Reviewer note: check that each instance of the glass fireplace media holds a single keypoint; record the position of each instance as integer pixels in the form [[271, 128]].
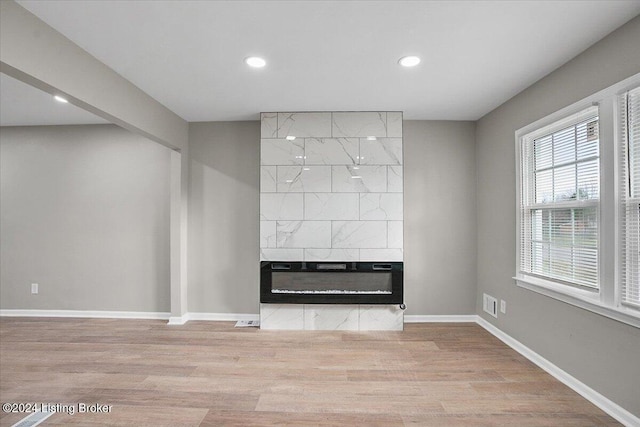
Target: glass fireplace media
[[331, 282]]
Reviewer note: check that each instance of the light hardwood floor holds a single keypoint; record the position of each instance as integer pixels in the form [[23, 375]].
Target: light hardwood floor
[[212, 374]]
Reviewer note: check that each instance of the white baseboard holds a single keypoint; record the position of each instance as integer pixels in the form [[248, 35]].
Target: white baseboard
[[223, 317], [215, 317], [608, 406], [463, 318], [96, 314], [177, 320]]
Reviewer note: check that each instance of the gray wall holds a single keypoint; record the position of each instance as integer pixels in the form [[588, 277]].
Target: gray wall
[[84, 212], [440, 217], [440, 232], [224, 238], [98, 239], [600, 352]]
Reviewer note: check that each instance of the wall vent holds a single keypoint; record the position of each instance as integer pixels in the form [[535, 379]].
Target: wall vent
[[490, 305]]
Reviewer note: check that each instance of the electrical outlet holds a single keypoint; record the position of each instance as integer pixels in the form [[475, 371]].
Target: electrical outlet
[[34, 288], [503, 306], [490, 305]]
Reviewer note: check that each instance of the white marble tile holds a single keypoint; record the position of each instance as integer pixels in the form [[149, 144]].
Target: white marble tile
[[268, 179], [331, 206], [303, 234], [269, 125], [282, 316], [271, 254], [359, 179], [394, 176], [381, 318], [304, 124], [348, 254], [304, 179], [281, 152], [381, 255], [358, 234], [394, 124], [281, 206], [361, 124], [331, 151], [395, 238], [321, 317], [267, 234], [381, 206], [382, 151]]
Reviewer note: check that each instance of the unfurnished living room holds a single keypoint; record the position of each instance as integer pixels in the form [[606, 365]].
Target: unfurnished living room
[[319, 213]]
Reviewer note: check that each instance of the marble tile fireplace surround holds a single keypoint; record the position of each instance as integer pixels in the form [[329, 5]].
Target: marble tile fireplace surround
[[331, 191]]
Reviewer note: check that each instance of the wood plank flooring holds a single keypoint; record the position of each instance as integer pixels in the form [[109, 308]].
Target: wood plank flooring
[[212, 374]]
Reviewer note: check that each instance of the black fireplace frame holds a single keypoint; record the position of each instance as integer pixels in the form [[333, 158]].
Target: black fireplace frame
[[395, 297]]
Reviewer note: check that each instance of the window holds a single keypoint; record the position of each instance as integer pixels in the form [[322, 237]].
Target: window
[[630, 198], [578, 202], [559, 201]]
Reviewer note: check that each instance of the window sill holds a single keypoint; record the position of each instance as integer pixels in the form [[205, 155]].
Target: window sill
[[587, 300]]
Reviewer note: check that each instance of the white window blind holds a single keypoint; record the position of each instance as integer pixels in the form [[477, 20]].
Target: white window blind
[[630, 198], [560, 186]]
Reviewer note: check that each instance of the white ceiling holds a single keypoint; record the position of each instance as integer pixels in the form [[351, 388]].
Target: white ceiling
[[333, 55]]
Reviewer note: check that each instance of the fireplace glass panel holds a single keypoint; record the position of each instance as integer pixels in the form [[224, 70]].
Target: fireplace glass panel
[[331, 283]]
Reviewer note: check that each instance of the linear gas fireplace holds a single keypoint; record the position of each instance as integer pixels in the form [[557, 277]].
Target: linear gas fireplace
[[331, 282]]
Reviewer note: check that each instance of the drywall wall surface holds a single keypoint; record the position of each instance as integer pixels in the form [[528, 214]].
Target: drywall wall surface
[[224, 217], [84, 212], [598, 351], [440, 217]]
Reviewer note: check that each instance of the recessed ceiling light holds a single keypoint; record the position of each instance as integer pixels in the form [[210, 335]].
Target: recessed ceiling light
[[409, 61], [371, 138], [255, 62], [356, 177], [290, 137], [60, 99]]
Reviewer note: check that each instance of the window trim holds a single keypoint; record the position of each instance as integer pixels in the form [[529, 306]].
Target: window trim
[[577, 298], [606, 299], [618, 203], [568, 121]]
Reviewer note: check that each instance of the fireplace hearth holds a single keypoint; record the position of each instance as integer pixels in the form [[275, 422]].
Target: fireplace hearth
[[331, 282]]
